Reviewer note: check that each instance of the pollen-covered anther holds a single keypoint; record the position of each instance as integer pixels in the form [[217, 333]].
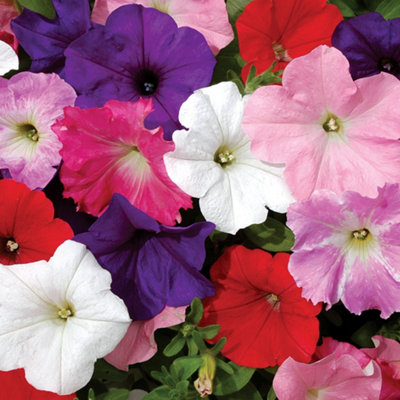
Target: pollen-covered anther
[[361, 234], [225, 157], [280, 52], [64, 313], [273, 299], [11, 246]]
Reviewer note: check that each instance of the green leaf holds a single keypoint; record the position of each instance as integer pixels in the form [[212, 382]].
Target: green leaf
[[271, 235], [235, 8], [199, 341], [91, 395], [192, 348], [208, 332], [119, 394], [391, 328], [160, 393], [362, 336], [218, 346], [175, 346], [249, 392], [372, 4], [224, 366], [43, 7], [196, 311], [389, 9], [271, 394], [350, 8], [225, 383], [106, 372], [187, 366]]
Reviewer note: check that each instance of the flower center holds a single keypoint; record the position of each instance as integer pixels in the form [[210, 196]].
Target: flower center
[[273, 299], [281, 53], [29, 131], [224, 157], [361, 234], [160, 6], [332, 124], [11, 246], [388, 65], [65, 313], [146, 82]]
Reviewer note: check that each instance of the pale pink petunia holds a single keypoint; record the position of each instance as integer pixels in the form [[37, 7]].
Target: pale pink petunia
[[29, 104], [330, 131], [209, 17], [348, 248], [108, 150], [331, 378], [138, 344]]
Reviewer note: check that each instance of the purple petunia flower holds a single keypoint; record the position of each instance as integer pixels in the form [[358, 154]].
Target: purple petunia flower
[[140, 52], [152, 265], [46, 39], [370, 43]]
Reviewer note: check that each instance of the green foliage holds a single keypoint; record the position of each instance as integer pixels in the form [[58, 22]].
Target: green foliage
[[271, 235], [43, 7], [118, 394], [389, 8], [249, 392], [391, 328], [350, 8], [226, 383], [271, 394], [235, 8], [266, 78]]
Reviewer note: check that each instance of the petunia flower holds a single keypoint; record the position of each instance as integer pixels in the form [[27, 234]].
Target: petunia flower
[[260, 309], [8, 11], [28, 230], [209, 17], [348, 248], [152, 265], [58, 317], [138, 344], [213, 162], [370, 43], [13, 385], [331, 132], [131, 161], [8, 58], [328, 379], [140, 53], [29, 104], [45, 40], [282, 30]]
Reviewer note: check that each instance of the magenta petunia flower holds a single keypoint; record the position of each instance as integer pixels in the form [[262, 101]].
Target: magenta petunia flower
[[331, 132], [348, 248], [29, 104], [108, 150]]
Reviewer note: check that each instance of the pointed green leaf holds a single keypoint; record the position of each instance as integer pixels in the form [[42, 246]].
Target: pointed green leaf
[[271, 394], [192, 348], [199, 341], [224, 366], [175, 346], [187, 366], [43, 7], [160, 393], [229, 383], [91, 395], [196, 311], [208, 332], [235, 8], [389, 9], [218, 346], [249, 392]]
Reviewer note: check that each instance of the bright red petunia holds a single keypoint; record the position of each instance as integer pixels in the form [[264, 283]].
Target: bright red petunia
[[28, 230], [13, 385], [260, 309], [281, 30]]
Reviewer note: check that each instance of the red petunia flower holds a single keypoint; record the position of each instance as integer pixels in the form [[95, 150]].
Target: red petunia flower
[[28, 230], [260, 309], [13, 385], [281, 30]]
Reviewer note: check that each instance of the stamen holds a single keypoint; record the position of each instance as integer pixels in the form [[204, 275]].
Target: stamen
[[273, 299], [64, 313], [11, 246], [362, 234], [224, 158], [281, 53], [331, 124]]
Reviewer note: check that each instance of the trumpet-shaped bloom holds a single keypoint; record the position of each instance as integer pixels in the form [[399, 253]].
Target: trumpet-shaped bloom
[[260, 309], [209, 17], [283, 30], [29, 104], [331, 132], [131, 161], [370, 43], [140, 52], [213, 162], [58, 317], [328, 379], [139, 345], [348, 248], [152, 265], [8, 58]]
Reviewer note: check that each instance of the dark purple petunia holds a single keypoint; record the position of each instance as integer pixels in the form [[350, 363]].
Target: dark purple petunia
[[152, 265], [46, 39], [370, 43], [140, 53]]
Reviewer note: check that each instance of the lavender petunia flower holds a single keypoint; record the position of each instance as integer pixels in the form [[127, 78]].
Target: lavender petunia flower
[[370, 43], [140, 53], [152, 265], [46, 39], [348, 248]]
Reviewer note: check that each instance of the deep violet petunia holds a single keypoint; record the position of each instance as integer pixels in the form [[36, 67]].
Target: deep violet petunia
[[131, 161], [371, 44], [260, 309], [209, 17], [46, 39], [140, 52], [330, 131], [152, 265], [283, 30], [348, 248]]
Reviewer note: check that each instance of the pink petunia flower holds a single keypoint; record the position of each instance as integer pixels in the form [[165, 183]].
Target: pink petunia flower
[[331, 378], [209, 17], [348, 248], [108, 150], [331, 132], [29, 104]]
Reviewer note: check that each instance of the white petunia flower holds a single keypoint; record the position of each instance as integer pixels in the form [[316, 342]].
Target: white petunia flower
[[8, 58], [212, 161], [58, 317]]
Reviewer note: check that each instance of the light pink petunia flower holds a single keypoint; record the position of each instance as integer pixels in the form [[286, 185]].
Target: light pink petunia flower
[[138, 344], [348, 248], [209, 17], [331, 378], [29, 104], [331, 132], [108, 150]]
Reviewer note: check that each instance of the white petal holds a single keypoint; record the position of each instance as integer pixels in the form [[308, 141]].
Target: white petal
[[8, 58]]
